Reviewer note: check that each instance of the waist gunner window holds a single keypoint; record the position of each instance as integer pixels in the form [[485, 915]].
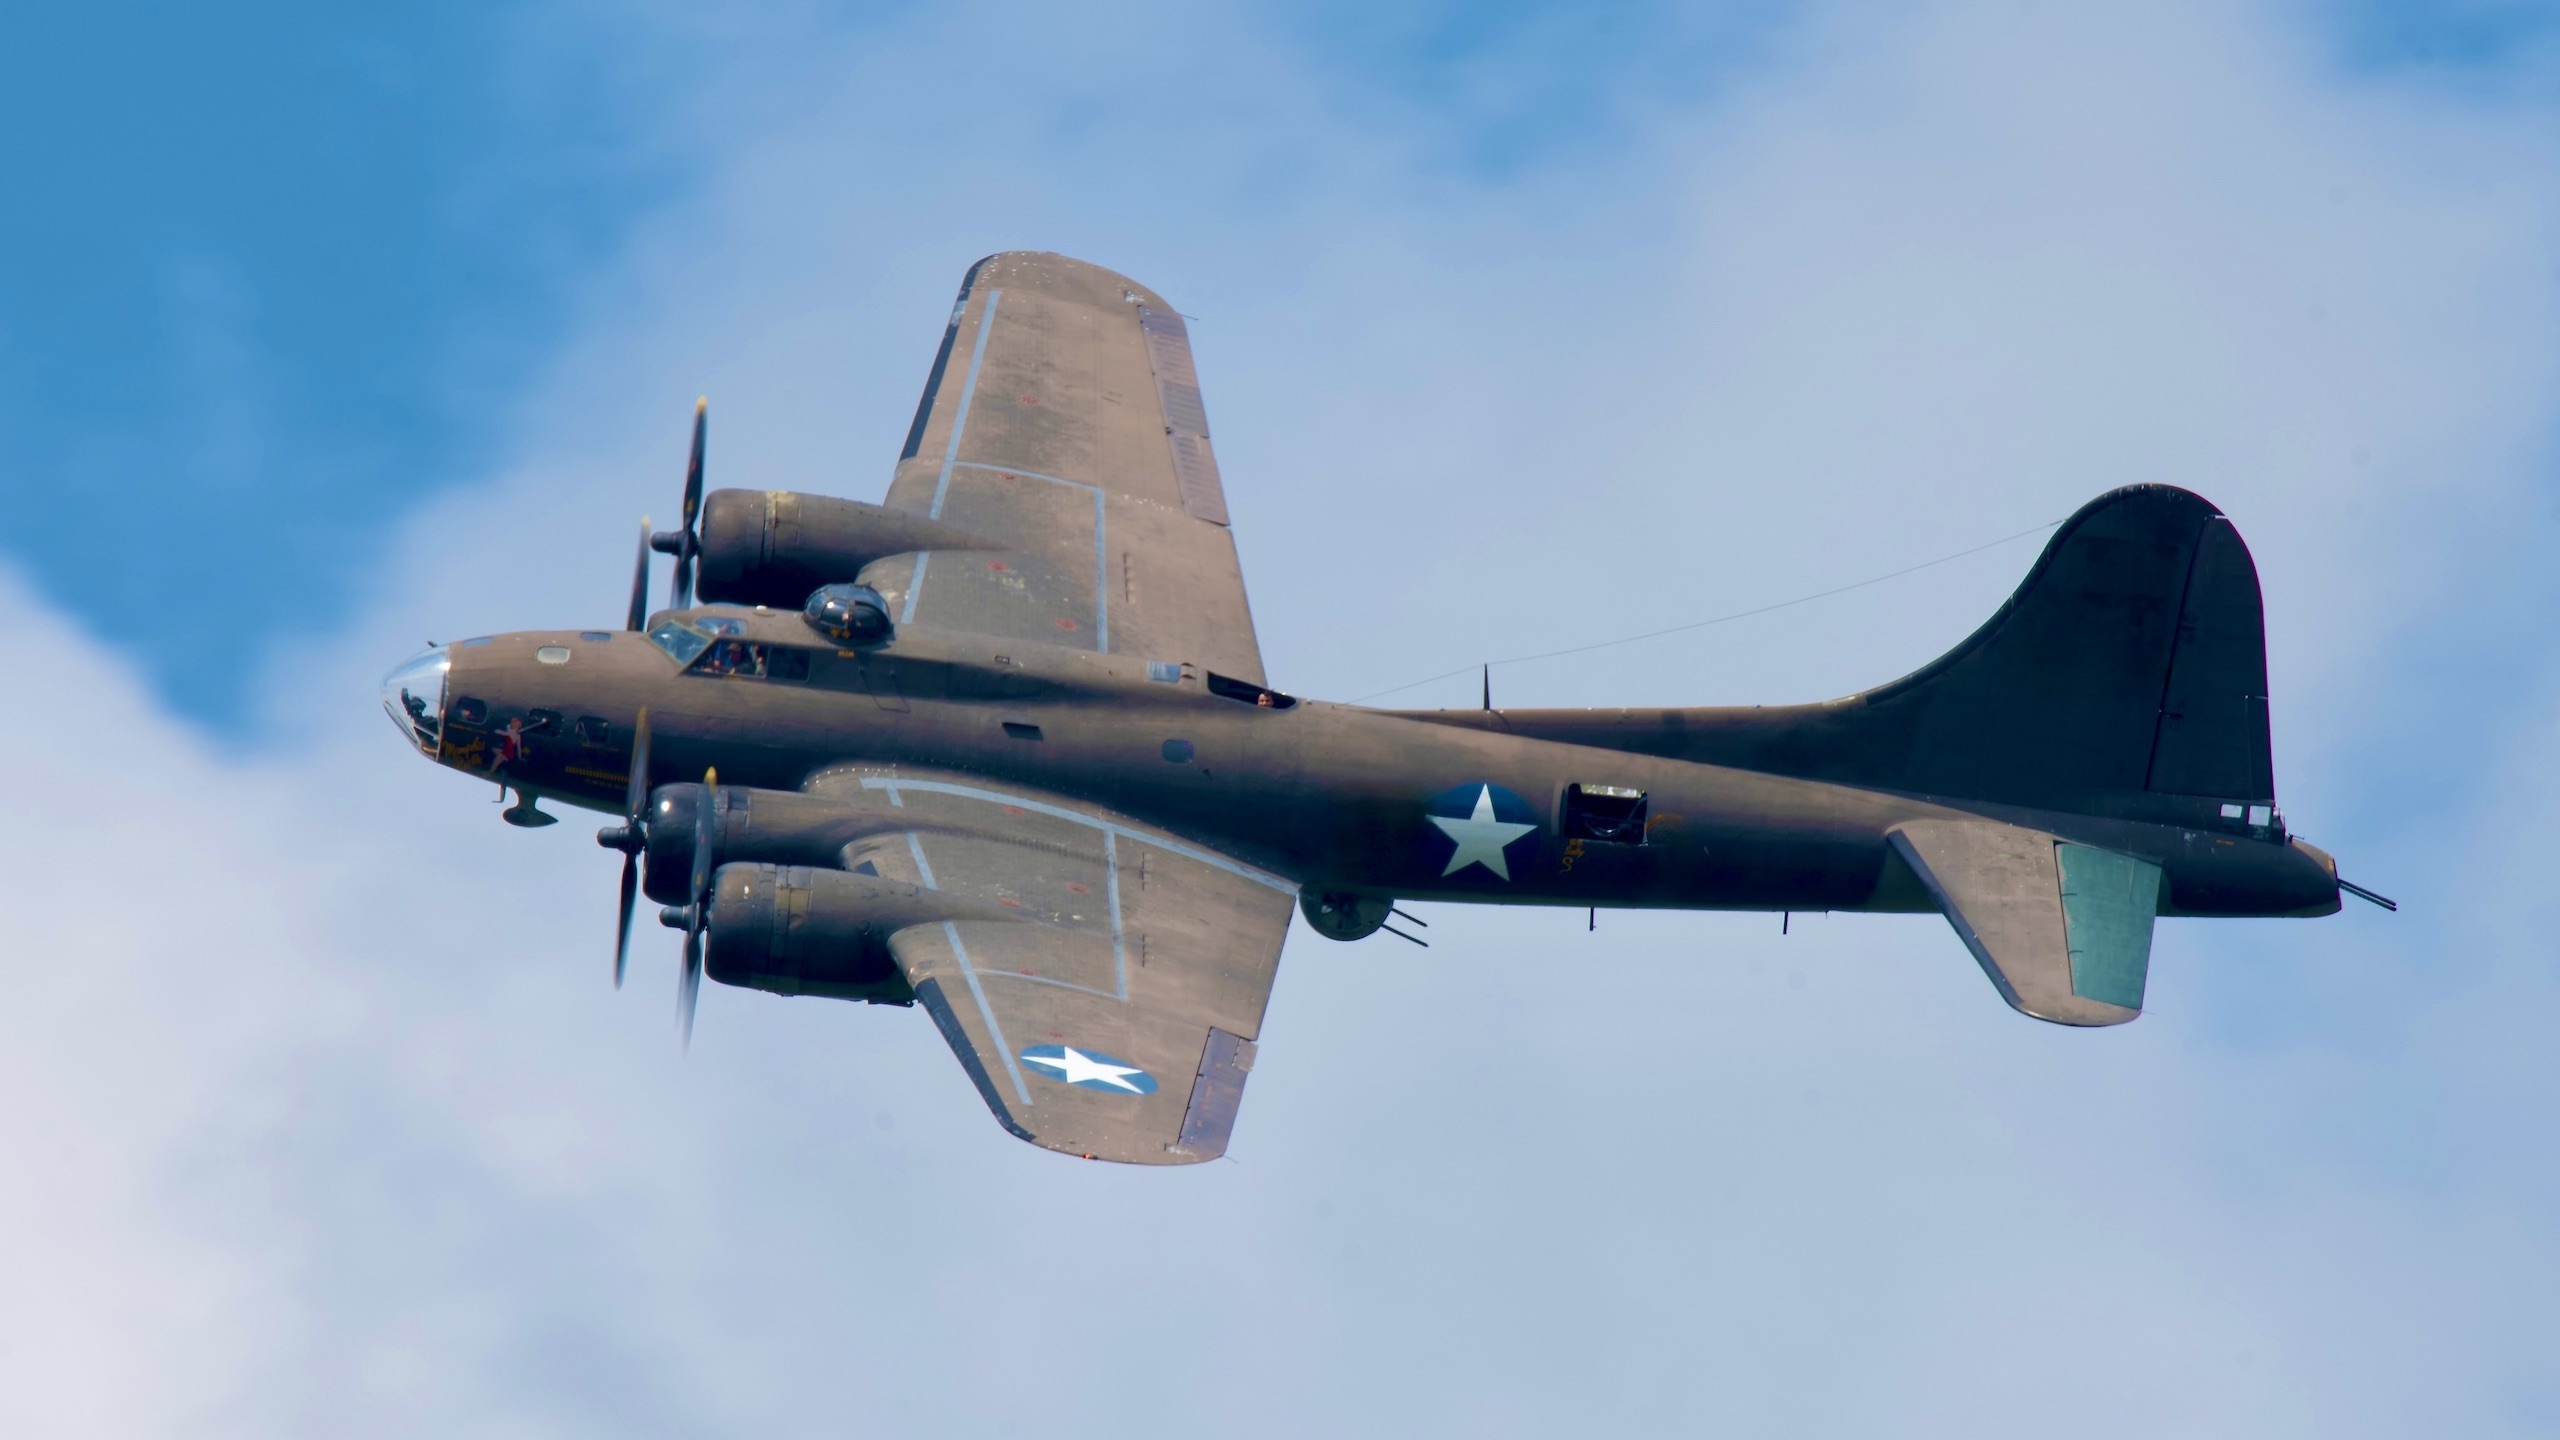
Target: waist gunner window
[[1606, 813]]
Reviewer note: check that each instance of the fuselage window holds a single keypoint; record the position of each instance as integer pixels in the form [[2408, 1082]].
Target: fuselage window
[[592, 730], [1605, 813]]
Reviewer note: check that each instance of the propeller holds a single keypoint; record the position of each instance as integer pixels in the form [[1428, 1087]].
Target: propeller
[[698, 913], [685, 543], [640, 582], [631, 837]]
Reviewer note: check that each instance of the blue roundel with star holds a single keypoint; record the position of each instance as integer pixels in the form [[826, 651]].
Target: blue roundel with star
[[1480, 823], [1090, 1069]]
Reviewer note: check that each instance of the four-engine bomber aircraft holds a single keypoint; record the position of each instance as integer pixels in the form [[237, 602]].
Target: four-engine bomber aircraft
[[1004, 747]]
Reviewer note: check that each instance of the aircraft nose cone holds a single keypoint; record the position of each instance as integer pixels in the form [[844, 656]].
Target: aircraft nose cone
[[414, 695]]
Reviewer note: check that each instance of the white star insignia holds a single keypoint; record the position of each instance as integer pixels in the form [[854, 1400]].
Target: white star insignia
[[1075, 1067], [1480, 838]]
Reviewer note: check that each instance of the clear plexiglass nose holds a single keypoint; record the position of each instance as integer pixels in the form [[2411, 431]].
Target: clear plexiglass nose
[[413, 696]]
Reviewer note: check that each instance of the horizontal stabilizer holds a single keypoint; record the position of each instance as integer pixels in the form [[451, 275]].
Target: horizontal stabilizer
[[2063, 930]]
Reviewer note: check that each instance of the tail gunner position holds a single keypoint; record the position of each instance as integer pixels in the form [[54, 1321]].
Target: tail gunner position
[[1004, 747]]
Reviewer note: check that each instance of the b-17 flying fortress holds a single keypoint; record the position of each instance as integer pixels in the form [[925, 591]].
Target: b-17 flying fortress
[[1002, 748]]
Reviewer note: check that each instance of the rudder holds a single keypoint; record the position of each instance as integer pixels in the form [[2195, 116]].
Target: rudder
[[2213, 738]]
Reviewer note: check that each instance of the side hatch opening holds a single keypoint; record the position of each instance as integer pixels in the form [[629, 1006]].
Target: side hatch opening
[[1249, 693], [1607, 813]]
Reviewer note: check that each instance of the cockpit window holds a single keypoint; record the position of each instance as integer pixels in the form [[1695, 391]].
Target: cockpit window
[[707, 645], [746, 658], [679, 641]]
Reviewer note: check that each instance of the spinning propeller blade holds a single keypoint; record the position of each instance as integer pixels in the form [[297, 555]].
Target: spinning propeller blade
[[685, 542], [622, 927], [690, 543], [630, 838], [640, 582], [704, 837], [690, 987]]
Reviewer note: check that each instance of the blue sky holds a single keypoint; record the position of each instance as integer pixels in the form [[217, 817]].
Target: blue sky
[[325, 334], [274, 276], [278, 276]]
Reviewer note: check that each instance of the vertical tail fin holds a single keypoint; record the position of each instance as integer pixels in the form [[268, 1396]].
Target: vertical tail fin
[[2131, 660], [2126, 677]]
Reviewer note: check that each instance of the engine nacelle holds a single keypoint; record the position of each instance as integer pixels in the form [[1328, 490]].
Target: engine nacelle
[[778, 826], [803, 930], [772, 547], [1341, 915]]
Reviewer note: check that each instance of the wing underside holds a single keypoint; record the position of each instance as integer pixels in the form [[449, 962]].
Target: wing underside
[[1113, 1013]]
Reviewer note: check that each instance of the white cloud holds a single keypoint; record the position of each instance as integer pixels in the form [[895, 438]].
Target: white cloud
[[329, 1123]]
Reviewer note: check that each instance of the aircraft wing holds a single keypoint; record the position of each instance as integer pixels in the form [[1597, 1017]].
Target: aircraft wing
[[1116, 1018], [1062, 419]]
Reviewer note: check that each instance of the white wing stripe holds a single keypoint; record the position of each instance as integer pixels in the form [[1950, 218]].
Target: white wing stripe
[[968, 392], [893, 784]]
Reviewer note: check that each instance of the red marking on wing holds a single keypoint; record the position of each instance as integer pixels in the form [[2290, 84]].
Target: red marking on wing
[[1063, 623], [998, 565], [1078, 888]]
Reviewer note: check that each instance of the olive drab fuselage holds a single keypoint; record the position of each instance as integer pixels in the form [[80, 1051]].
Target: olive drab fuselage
[[1333, 797]]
